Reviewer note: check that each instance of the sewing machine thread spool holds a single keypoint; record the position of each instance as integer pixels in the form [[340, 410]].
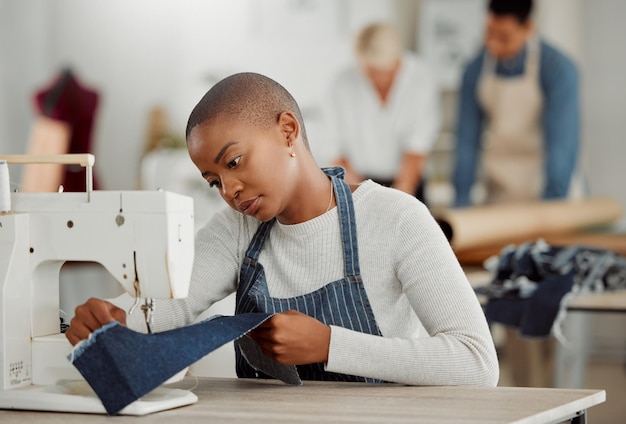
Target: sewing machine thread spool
[[5, 188]]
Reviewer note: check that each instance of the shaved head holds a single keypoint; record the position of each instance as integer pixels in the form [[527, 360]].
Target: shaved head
[[249, 98]]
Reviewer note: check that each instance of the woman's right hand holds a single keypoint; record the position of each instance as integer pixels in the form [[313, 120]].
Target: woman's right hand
[[90, 316]]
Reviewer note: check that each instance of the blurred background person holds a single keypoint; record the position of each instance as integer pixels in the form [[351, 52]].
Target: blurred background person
[[386, 113], [519, 120], [518, 113]]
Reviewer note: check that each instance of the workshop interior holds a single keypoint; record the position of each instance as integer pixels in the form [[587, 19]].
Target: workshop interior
[[100, 198]]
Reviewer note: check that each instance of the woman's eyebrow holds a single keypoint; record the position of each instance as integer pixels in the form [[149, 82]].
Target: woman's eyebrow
[[223, 150]]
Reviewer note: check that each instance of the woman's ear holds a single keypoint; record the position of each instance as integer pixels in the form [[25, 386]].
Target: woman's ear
[[289, 126]]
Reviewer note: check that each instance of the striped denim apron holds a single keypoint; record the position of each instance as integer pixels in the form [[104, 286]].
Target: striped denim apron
[[342, 303]]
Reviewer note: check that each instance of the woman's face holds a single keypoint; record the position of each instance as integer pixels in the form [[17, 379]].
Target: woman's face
[[252, 167]]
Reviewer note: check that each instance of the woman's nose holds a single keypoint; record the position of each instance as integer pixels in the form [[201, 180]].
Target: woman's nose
[[230, 188]]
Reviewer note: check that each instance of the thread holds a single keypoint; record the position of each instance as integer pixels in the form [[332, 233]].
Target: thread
[[5, 188]]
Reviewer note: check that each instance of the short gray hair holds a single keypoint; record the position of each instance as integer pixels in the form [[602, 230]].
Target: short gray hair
[[379, 45]]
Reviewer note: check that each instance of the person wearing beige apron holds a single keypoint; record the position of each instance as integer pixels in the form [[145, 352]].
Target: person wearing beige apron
[[518, 125], [512, 152], [512, 172], [519, 120]]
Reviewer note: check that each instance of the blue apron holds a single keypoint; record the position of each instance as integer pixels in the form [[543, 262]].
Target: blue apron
[[342, 303]]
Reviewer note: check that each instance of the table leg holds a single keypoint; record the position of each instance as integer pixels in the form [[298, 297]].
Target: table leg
[[571, 360], [581, 418]]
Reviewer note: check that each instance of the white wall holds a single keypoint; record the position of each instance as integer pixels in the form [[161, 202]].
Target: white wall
[[127, 50], [24, 58], [604, 96], [562, 22], [591, 32], [144, 52]]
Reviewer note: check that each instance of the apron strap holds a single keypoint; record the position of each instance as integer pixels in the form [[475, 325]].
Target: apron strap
[[533, 53], [347, 224], [258, 240]]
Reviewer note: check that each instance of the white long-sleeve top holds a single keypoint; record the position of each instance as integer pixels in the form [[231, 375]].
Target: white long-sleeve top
[[433, 329], [373, 136]]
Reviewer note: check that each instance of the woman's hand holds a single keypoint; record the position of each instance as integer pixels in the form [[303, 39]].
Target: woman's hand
[[293, 338], [90, 316]]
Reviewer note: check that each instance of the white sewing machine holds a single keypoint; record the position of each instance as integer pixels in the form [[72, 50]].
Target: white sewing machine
[[143, 238]]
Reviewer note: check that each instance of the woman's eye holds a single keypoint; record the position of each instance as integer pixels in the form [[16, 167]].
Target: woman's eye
[[233, 163], [214, 183]]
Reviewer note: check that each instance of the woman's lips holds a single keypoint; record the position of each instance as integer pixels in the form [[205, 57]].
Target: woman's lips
[[249, 207]]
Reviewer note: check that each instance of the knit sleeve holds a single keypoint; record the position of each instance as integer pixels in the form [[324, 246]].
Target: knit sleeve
[[458, 350]]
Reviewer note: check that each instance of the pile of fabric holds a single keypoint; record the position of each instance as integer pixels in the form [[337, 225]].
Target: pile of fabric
[[532, 283]]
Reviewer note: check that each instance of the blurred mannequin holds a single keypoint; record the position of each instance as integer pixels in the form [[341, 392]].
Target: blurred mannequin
[[386, 113], [523, 94], [66, 112]]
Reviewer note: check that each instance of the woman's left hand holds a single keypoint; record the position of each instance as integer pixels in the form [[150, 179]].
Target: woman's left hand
[[293, 338]]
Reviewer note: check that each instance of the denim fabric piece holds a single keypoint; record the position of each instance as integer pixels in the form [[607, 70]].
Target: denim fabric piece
[[342, 303], [532, 282], [266, 365], [122, 365]]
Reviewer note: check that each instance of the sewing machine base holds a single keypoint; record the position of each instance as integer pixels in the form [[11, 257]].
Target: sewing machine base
[[77, 396]]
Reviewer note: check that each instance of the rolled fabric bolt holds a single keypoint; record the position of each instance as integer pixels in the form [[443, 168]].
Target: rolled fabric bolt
[[5, 188], [501, 224]]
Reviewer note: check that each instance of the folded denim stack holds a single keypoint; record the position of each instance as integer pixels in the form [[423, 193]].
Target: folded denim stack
[[531, 283]]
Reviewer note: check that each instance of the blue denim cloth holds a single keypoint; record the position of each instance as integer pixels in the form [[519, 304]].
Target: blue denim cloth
[[343, 302], [122, 365], [558, 78], [253, 354], [530, 282]]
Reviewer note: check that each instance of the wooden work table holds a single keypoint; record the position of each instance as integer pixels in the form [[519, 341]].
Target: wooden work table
[[614, 301], [270, 401]]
